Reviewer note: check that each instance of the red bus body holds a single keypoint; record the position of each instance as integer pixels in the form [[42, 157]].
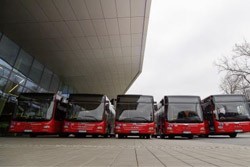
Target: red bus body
[[226, 115], [179, 116], [89, 114], [134, 116], [31, 112]]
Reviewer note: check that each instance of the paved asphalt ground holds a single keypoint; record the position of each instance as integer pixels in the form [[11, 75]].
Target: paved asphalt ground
[[53, 151]]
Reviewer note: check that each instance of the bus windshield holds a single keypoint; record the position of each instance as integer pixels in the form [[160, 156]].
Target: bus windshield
[[139, 109], [184, 113], [85, 111], [34, 108], [232, 111]]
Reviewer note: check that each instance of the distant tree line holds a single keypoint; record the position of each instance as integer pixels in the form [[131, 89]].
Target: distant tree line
[[237, 70]]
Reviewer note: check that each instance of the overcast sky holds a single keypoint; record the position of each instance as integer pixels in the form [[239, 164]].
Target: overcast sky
[[184, 39]]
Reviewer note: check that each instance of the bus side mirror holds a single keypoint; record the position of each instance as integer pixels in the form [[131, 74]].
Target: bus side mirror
[[107, 106]]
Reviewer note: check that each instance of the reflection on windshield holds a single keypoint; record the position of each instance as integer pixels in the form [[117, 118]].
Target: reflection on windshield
[[34, 110], [233, 111], [85, 111], [188, 112], [138, 112]]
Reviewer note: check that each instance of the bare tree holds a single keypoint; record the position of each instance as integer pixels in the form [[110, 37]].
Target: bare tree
[[237, 68], [230, 84]]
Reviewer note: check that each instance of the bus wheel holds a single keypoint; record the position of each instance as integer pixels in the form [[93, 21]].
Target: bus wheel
[[190, 136], [147, 136], [33, 135], [162, 136], [204, 136], [63, 135], [233, 135], [105, 135], [95, 136], [171, 136], [120, 136]]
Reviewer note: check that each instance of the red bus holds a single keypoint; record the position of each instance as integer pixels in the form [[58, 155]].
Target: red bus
[[38, 114], [89, 114], [179, 116], [134, 116], [226, 115]]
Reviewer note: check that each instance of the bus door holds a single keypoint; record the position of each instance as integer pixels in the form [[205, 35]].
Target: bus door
[[59, 116], [209, 117]]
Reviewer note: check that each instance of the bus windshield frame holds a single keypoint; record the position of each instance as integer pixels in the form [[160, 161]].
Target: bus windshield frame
[[232, 111], [135, 109], [34, 107], [231, 108], [184, 110], [86, 109]]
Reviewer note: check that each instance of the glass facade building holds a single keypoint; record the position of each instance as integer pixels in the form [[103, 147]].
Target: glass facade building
[[20, 72]]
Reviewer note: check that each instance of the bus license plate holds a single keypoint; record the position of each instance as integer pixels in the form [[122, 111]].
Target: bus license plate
[[238, 131], [82, 131], [27, 130], [134, 131], [186, 132]]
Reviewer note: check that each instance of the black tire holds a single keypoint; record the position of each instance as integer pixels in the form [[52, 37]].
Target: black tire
[[120, 136], [162, 136], [33, 135], [190, 136], [63, 135], [147, 136], [171, 136], [95, 136], [233, 135], [80, 135]]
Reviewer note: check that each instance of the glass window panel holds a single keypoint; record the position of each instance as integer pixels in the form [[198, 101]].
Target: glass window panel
[[41, 90], [13, 88], [70, 90], [26, 90], [54, 84], [17, 77], [36, 71], [46, 78], [64, 89], [4, 69], [8, 50], [4, 64], [31, 86], [23, 63], [3, 82]]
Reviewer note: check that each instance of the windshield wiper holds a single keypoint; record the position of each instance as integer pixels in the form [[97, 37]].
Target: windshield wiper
[[89, 116], [132, 118]]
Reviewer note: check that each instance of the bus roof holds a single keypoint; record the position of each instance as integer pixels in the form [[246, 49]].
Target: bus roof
[[228, 97], [35, 96], [135, 98], [182, 99], [86, 97]]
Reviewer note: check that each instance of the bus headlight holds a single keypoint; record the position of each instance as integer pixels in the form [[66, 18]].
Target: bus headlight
[[202, 129], [151, 128], [99, 127], [46, 127], [169, 128], [117, 127], [66, 127]]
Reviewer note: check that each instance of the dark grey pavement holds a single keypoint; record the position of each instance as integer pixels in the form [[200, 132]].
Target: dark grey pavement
[[49, 151]]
